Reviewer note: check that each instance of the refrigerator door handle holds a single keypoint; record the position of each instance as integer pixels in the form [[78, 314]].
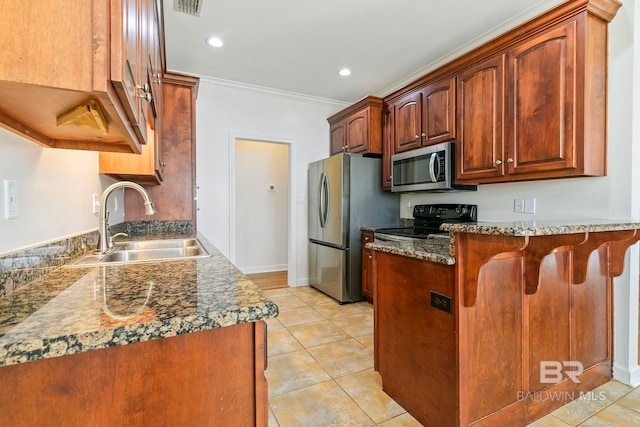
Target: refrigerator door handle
[[323, 195]]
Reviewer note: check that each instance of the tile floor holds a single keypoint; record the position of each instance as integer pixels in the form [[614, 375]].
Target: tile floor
[[321, 373]]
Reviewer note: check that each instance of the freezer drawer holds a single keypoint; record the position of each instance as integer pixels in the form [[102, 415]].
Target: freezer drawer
[[328, 271]]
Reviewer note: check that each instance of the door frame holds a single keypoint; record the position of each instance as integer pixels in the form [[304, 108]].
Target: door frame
[[293, 220]]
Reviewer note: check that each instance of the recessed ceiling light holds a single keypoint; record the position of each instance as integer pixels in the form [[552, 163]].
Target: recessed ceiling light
[[345, 72], [214, 41]]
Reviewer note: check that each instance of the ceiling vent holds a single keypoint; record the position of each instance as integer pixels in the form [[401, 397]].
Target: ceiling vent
[[192, 7]]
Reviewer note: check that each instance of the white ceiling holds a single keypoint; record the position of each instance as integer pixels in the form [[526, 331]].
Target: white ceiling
[[299, 45]]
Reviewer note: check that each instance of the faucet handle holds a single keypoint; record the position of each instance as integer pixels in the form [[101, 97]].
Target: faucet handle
[[114, 236]]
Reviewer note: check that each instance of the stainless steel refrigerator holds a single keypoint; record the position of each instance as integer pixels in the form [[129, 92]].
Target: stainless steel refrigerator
[[345, 194]]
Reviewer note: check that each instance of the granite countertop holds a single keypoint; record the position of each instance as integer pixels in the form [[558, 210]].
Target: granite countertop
[[434, 249], [441, 249], [542, 228], [76, 309]]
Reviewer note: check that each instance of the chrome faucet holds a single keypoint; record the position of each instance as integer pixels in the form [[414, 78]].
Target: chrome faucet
[[105, 241]]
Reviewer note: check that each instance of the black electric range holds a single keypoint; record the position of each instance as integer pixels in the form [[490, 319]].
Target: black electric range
[[427, 220]]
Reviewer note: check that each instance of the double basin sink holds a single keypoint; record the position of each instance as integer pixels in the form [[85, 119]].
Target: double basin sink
[[145, 251]]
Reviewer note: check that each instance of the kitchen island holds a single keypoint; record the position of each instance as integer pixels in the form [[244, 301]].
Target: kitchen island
[[520, 325], [157, 343]]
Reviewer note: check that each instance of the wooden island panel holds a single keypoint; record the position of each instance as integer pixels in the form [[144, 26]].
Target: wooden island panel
[[483, 360]]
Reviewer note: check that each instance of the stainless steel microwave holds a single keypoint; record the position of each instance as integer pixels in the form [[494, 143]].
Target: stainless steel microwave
[[426, 169]]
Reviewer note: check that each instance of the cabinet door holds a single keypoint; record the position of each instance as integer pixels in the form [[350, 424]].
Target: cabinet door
[[387, 146], [439, 119], [407, 126], [541, 102], [367, 266], [358, 132], [126, 51], [480, 110], [338, 138]]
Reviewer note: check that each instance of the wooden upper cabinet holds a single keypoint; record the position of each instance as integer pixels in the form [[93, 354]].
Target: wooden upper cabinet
[[531, 104], [69, 75], [542, 102], [439, 108], [555, 106], [407, 123], [338, 138], [426, 116], [148, 167], [480, 108], [357, 128]]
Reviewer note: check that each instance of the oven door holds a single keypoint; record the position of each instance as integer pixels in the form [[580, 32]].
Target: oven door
[[427, 168]]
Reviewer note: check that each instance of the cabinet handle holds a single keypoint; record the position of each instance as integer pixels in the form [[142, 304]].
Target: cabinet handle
[[370, 257], [146, 96], [163, 164], [424, 134], [509, 160], [498, 162], [417, 136], [366, 238]]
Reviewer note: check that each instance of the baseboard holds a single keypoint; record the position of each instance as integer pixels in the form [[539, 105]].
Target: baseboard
[[302, 282], [628, 376], [263, 269]]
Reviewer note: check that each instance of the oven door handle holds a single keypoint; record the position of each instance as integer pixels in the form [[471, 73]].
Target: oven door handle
[[432, 167]]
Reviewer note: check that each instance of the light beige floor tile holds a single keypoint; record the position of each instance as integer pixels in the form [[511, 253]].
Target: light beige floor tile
[[281, 341], [366, 389], [298, 316], [613, 415], [343, 357], [277, 292], [272, 419], [631, 400], [293, 371], [315, 334], [580, 409], [356, 325], [287, 301], [549, 421], [367, 341], [611, 390], [315, 297], [273, 324], [404, 420], [321, 405], [296, 290], [331, 310]]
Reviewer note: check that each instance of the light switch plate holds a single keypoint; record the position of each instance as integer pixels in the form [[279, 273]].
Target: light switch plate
[[10, 199]]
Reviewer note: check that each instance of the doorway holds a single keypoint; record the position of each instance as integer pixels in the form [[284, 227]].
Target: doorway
[[261, 230]]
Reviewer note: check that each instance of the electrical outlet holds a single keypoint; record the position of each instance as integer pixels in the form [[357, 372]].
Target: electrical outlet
[[530, 206], [518, 205], [10, 199]]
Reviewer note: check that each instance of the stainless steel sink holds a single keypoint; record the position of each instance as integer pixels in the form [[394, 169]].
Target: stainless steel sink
[[145, 251]]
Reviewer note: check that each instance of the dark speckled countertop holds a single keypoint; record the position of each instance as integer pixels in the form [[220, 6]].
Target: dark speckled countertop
[[441, 249], [76, 309], [434, 249], [543, 228]]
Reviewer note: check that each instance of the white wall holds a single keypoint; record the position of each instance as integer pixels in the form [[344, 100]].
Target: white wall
[[226, 111], [54, 192], [262, 212]]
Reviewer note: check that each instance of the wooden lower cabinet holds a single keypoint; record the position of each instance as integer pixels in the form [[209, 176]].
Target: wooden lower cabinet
[[367, 266], [481, 363], [208, 378]]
